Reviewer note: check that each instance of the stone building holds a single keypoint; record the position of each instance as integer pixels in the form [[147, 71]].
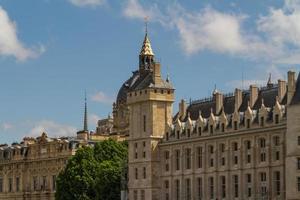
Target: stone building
[[28, 170], [241, 145]]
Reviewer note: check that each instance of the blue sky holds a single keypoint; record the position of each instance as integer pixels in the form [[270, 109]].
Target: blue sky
[[53, 50]]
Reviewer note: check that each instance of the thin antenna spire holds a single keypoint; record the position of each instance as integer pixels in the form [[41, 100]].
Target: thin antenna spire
[[146, 24], [85, 120]]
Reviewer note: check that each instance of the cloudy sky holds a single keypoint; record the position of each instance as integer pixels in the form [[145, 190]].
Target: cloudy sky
[[51, 51]]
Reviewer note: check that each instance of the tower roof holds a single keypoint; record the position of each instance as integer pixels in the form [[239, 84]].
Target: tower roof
[[146, 48]]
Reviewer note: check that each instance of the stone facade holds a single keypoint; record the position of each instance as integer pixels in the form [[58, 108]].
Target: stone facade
[[28, 170], [241, 145]]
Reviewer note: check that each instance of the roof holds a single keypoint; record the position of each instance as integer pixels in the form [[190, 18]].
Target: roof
[[296, 98], [146, 47]]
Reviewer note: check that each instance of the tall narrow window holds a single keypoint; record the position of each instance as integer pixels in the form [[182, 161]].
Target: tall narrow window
[[188, 158], [211, 129], [188, 132], [235, 125], [136, 173], [249, 188], [188, 189], [211, 187], [54, 182], [276, 141], [177, 134], [144, 123], [167, 156], [167, 190], [277, 182], [142, 194], [17, 184], [177, 160], [298, 183], [223, 127], [262, 121], [200, 186], [199, 130], [263, 179], [298, 163], [236, 186], [298, 140], [276, 119], [223, 186], [144, 173], [136, 150], [248, 123], [177, 190], [135, 195], [199, 157], [1, 184], [10, 185], [44, 183]]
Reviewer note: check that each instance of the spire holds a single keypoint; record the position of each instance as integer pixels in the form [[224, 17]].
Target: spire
[[270, 84], [146, 47], [85, 120]]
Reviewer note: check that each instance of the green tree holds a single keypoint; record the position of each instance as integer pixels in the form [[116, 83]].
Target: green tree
[[94, 173]]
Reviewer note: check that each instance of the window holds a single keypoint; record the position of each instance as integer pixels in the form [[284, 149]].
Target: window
[[249, 178], [188, 158], [144, 154], [223, 186], [1, 184], [298, 140], [235, 125], [135, 150], [189, 132], [236, 186], [211, 187], [263, 177], [188, 189], [136, 173], [144, 173], [277, 155], [54, 182], [199, 130], [10, 185], [262, 142], [277, 182], [211, 163], [17, 184], [249, 189], [200, 185], [211, 129], [235, 146], [211, 149], [248, 158], [223, 161], [276, 140], [298, 183], [222, 148], [167, 190], [167, 156], [177, 190], [177, 160], [262, 121], [144, 123], [135, 195], [235, 160], [248, 145], [177, 134], [223, 127], [276, 119], [167, 136], [298, 163], [248, 123], [199, 157], [262, 157], [142, 194], [44, 183]]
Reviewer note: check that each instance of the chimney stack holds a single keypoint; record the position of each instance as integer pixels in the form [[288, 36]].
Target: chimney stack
[[281, 89], [156, 73], [291, 86], [219, 102], [182, 109], [238, 98], [253, 95]]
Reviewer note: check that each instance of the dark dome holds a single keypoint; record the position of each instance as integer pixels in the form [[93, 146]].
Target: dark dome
[[122, 94]]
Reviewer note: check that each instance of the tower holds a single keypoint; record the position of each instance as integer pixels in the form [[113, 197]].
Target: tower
[[150, 106], [84, 134]]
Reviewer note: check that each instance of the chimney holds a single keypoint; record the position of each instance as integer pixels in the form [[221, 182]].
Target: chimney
[[182, 109], [291, 86], [253, 95], [281, 89], [219, 102], [156, 73], [238, 98]]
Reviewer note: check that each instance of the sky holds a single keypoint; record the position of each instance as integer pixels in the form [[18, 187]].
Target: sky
[[52, 51]]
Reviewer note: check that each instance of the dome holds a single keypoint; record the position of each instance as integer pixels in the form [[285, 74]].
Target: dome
[[122, 94]]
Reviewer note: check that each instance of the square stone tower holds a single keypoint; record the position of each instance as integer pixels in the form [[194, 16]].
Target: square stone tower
[[149, 100]]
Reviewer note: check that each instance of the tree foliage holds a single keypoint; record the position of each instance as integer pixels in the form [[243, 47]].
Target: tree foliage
[[94, 173]]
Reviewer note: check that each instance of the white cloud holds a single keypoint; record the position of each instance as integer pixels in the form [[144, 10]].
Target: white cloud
[[10, 45], [91, 3], [6, 126], [102, 98], [275, 38], [93, 119], [52, 128]]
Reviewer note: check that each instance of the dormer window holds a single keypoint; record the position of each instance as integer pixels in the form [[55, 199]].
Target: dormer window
[[199, 130], [167, 136], [211, 129], [235, 125], [276, 119], [262, 121], [248, 123], [188, 132], [223, 127], [177, 134]]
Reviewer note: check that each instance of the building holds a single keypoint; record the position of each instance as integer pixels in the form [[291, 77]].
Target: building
[[241, 145]]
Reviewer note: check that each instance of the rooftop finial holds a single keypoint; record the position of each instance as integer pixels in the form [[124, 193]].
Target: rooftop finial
[[146, 19], [85, 120], [146, 48]]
